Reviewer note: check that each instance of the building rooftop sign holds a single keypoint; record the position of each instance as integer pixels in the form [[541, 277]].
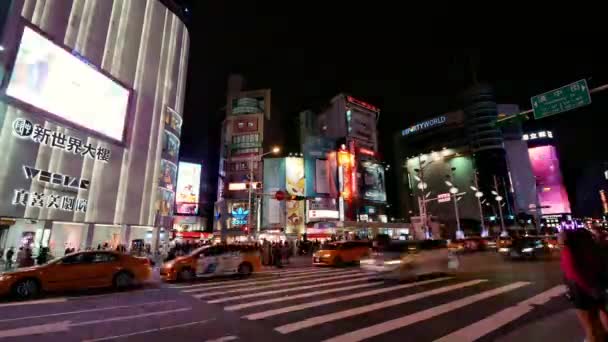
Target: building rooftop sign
[[538, 135], [360, 103], [437, 121]]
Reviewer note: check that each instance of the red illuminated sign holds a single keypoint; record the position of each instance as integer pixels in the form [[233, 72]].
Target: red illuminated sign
[[346, 162], [360, 103], [366, 151]]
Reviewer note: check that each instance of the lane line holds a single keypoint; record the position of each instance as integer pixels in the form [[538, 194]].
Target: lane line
[[287, 309], [224, 339], [317, 320], [303, 295], [35, 302], [111, 294], [87, 310], [148, 331], [494, 322], [278, 283], [397, 323], [236, 283], [124, 318], [271, 292], [263, 282]]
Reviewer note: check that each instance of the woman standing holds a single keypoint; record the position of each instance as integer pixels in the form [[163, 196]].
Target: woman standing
[[582, 266]]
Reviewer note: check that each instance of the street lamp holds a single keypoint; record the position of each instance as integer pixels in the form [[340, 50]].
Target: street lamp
[[275, 150], [479, 195], [498, 198]]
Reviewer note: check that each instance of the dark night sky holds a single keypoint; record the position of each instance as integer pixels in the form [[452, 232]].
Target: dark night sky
[[408, 61]]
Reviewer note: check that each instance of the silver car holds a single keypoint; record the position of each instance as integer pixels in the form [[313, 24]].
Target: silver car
[[411, 259]]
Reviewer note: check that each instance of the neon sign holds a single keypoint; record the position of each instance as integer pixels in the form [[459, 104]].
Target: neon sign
[[362, 104], [239, 216], [538, 135], [440, 120]]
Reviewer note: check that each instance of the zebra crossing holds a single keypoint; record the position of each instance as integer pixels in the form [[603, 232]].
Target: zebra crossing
[[347, 305]]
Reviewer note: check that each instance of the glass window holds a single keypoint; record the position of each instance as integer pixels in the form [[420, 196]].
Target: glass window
[[104, 257], [74, 259]]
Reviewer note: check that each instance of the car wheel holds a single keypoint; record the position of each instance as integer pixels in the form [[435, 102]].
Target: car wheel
[[27, 288], [245, 269], [123, 280], [186, 274]]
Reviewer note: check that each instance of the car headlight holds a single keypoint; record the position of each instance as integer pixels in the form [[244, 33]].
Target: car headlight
[[551, 245], [503, 249], [527, 250], [5, 277], [326, 256], [366, 261], [392, 262]]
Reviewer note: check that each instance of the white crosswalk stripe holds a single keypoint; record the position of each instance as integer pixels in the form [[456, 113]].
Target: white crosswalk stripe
[[343, 295]]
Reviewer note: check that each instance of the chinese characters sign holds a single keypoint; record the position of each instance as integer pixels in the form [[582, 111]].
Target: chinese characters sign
[[51, 201], [538, 135], [25, 129]]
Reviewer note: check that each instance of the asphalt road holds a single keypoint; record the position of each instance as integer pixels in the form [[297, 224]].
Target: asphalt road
[[489, 300]]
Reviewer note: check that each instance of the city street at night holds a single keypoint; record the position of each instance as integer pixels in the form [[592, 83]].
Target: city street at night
[[494, 300]]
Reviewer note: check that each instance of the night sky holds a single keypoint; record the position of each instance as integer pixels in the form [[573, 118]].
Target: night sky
[[408, 61]]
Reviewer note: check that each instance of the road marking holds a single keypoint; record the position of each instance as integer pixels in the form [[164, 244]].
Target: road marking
[[35, 302], [397, 323], [281, 284], [269, 313], [235, 283], [224, 339], [317, 320], [295, 270], [113, 294], [87, 310], [124, 318], [271, 292], [66, 325], [303, 295], [148, 331], [487, 325]]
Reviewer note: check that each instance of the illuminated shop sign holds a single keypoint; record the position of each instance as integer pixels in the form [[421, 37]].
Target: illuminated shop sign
[[239, 216], [362, 104], [243, 186], [346, 162], [323, 214], [440, 120], [366, 151], [25, 129], [538, 135]]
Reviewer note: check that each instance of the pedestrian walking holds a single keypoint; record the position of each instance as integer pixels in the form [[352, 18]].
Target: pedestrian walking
[[9, 258], [583, 267], [276, 255]]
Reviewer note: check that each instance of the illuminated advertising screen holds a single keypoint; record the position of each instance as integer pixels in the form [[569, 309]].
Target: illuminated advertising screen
[[48, 77], [550, 188], [188, 186], [372, 187], [294, 168]]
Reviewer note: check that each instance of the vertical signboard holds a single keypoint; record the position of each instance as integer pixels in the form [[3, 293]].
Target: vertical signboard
[[188, 188], [273, 211], [294, 168], [551, 191]]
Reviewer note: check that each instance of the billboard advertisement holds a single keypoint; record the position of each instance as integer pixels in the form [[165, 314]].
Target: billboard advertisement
[[294, 175], [551, 191], [372, 185], [295, 217], [317, 165], [168, 175], [53, 80], [273, 211], [188, 188], [346, 162]]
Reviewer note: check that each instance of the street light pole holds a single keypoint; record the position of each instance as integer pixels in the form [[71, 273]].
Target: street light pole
[[498, 198], [479, 194]]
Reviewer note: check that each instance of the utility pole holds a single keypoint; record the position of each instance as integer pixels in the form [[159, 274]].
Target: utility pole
[[478, 194], [503, 231]]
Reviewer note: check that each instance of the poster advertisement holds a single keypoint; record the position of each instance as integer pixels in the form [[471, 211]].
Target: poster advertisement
[[295, 217], [373, 187], [164, 202], [273, 211], [170, 144], [188, 188], [294, 176], [168, 175], [173, 121], [316, 163]]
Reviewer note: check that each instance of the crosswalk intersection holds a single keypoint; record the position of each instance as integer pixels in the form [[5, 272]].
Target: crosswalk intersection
[[347, 305]]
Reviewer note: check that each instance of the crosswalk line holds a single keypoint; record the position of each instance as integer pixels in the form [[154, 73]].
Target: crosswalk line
[[273, 281], [298, 288], [217, 284], [303, 295], [401, 322], [286, 271], [274, 312], [487, 325], [317, 320], [281, 284]]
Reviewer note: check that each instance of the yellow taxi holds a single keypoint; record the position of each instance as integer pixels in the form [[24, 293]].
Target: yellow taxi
[[81, 270], [341, 252], [214, 260]]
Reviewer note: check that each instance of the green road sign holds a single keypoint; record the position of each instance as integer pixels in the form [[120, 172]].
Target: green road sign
[[560, 100]]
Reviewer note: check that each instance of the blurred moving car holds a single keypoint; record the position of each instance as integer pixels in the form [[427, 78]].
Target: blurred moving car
[[76, 271], [210, 261], [528, 247], [341, 252], [407, 259], [471, 244]]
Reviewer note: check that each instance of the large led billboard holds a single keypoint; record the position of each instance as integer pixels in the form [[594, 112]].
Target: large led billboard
[[51, 79], [550, 188], [373, 187], [188, 186]]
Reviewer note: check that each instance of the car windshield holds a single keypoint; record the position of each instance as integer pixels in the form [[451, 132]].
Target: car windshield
[[330, 246]]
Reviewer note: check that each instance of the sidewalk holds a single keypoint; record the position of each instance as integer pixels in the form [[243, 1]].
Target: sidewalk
[[562, 326]]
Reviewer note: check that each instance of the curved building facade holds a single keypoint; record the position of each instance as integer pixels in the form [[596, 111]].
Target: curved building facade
[[90, 122]]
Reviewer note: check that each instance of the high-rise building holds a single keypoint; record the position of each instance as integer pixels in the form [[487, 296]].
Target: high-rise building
[[90, 125]]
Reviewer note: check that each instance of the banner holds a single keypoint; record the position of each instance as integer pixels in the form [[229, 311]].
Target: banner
[[295, 217]]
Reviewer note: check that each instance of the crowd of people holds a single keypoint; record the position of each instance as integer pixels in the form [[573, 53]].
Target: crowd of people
[[584, 262], [275, 253]]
